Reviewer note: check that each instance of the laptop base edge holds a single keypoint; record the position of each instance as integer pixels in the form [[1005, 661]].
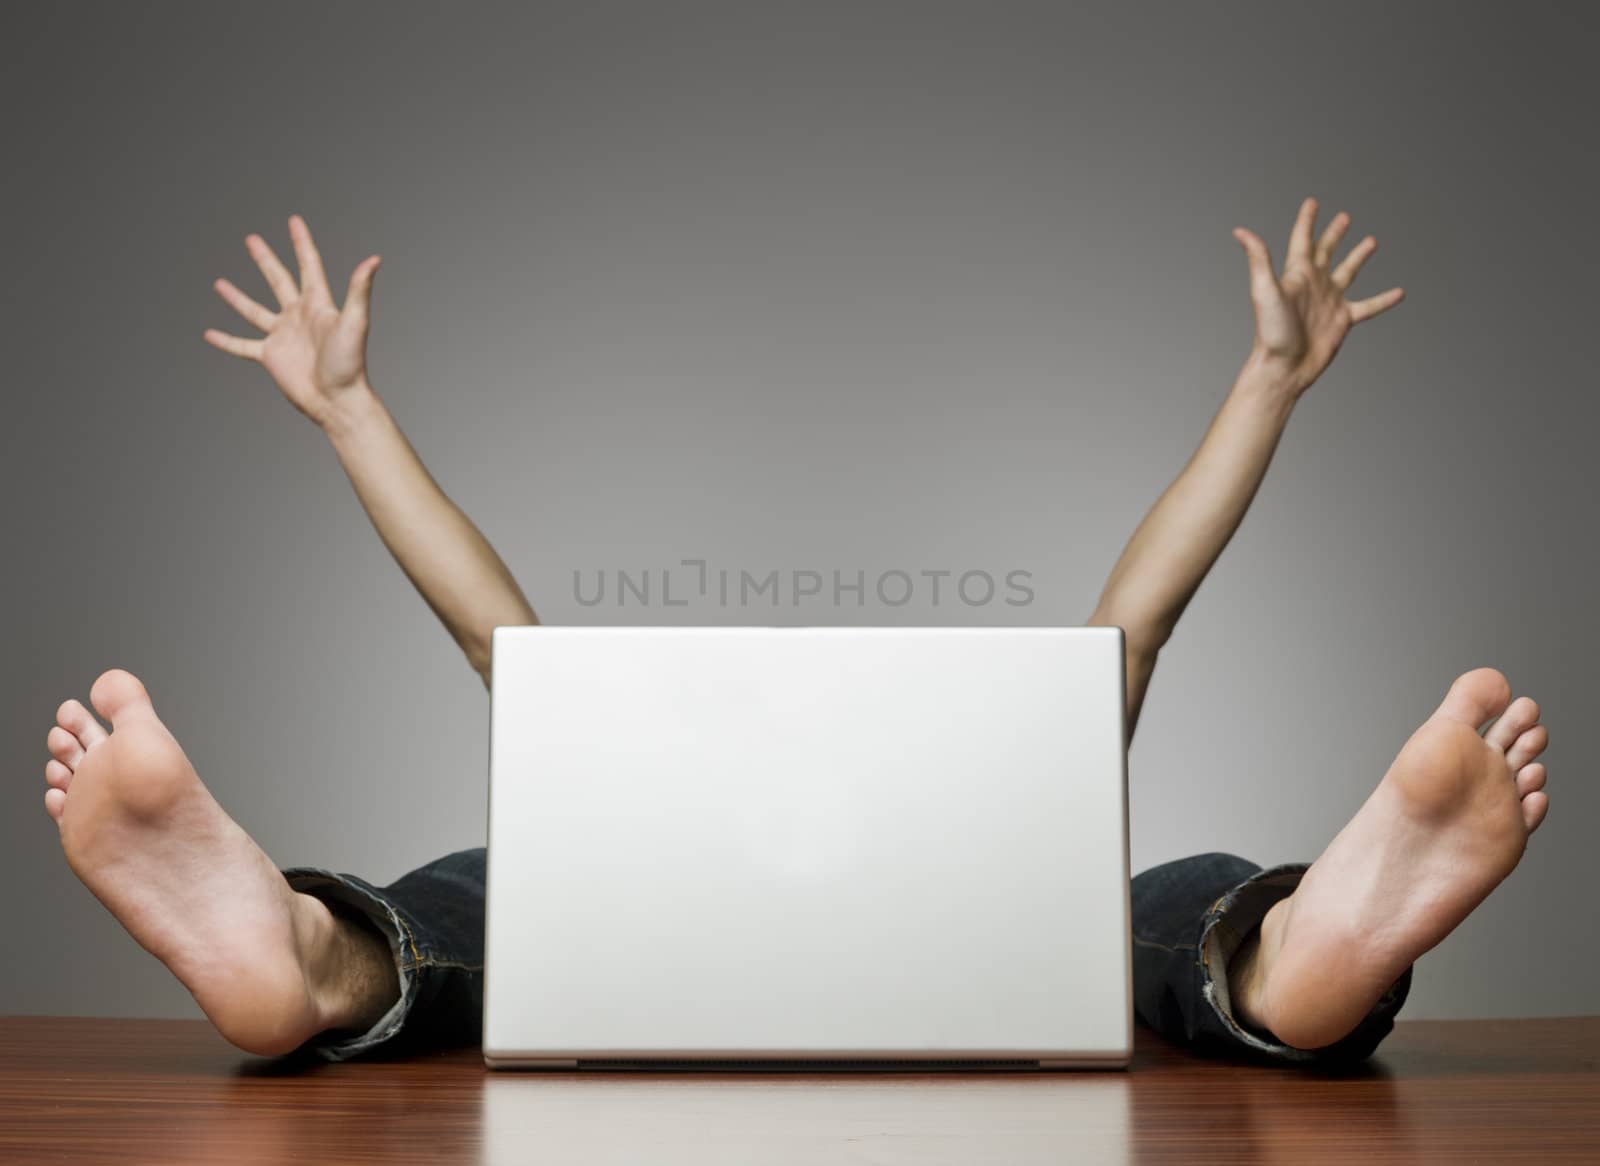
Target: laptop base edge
[[801, 1064]]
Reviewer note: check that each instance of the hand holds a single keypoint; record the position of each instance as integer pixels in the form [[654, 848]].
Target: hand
[[1303, 317], [315, 351]]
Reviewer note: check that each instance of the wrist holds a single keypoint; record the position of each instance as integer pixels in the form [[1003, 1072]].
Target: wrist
[[1269, 380], [352, 410]]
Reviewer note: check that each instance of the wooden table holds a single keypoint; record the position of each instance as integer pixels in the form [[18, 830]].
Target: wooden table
[[85, 1090]]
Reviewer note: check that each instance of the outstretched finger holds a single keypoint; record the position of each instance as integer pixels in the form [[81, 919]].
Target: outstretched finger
[[1371, 306], [313, 281], [238, 345], [1300, 233], [261, 317], [1330, 238], [1344, 275], [358, 300], [275, 273]]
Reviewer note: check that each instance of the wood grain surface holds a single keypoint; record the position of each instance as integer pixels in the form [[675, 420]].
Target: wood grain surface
[[91, 1090]]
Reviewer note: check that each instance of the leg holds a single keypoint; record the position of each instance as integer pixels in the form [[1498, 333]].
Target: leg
[[431, 922], [269, 966]]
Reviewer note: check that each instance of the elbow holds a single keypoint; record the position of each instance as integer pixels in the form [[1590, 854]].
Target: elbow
[[478, 643], [1142, 641], [480, 654]]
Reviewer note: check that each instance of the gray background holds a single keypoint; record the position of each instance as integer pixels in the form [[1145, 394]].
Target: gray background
[[809, 286]]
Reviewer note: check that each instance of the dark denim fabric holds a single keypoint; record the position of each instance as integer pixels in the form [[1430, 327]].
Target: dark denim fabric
[[433, 920], [1189, 918]]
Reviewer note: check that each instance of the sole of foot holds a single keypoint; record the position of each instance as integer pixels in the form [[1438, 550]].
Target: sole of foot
[[1447, 823], [143, 833]]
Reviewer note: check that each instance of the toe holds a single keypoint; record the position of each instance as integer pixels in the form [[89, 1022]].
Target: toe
[[117, 693], [1521, 716], [74, 718], [1534, 807], [1526, 747], [54, 802], [1530, 779], [1476, 696], [64, 747], [56, 775]]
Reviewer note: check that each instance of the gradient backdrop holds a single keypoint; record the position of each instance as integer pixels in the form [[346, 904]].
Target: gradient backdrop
[[801, 287]]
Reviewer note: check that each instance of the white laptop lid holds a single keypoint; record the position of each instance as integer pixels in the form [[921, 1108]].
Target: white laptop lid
[[807, 843]]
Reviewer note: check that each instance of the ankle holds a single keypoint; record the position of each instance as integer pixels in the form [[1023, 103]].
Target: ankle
[[1250, 968], [348, 965]]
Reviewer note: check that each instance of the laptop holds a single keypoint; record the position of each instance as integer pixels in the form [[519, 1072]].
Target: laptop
[[757, 847]]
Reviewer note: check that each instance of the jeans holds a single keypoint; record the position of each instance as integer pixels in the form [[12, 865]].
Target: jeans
[[1189, 918]]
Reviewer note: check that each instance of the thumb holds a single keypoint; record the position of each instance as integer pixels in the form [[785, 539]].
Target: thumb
[[358, 301], [1263, 284]]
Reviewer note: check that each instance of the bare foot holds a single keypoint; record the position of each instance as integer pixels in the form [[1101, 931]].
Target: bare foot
[[269, 966], [1448, 821]]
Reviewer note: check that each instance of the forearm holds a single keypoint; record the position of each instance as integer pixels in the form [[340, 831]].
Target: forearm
[[445, 556], [1185, 531]]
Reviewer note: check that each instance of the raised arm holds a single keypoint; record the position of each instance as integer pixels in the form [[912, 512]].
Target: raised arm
[[1302, 317], [316, 352]]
